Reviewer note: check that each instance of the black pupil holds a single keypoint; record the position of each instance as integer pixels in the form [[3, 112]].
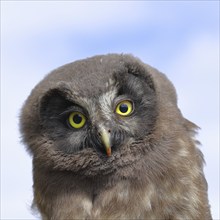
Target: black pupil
[[77, 119], [123, 108]]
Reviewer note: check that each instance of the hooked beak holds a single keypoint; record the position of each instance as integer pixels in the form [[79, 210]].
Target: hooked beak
[[105, 137]]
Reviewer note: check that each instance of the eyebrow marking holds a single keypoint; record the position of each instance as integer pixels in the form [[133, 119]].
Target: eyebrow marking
[[106, 103]]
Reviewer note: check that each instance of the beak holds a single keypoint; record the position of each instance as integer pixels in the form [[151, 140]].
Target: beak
[[105, 137]]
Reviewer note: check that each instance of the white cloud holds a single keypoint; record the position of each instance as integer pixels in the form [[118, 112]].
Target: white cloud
[[29, 17], [196, 75], [22, 16]]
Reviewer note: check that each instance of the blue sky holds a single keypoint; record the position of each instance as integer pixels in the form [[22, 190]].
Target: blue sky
[[180, 38]]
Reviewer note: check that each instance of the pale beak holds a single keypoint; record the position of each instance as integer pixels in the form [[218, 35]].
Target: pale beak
[[105, 137]]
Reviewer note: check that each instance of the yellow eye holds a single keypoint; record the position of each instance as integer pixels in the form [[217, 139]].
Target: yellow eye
[[124, 108], [77, 120]]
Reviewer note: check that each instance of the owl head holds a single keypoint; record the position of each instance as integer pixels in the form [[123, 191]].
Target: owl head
[[102, 115]]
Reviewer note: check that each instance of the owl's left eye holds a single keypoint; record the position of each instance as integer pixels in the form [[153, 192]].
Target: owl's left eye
[[124, 108], [77, 120]]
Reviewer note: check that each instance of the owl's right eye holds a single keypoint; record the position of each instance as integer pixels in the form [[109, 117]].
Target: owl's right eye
[[76, 120]]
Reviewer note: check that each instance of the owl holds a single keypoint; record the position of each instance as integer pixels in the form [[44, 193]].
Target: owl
[[108, 141]]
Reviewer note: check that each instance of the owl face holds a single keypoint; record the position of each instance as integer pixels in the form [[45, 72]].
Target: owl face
[[91, 116], [121, 111]]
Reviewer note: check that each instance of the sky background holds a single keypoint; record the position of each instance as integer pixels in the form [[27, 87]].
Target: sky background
[[180, 38]]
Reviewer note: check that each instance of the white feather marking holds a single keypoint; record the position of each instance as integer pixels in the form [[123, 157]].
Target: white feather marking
[[106, 102], [182, 151], [123, 195], [96, 212], [148, 197], [87, 206]]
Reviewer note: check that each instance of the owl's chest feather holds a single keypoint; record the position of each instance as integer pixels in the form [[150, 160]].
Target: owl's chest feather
[[125, 200], [121, 201]]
